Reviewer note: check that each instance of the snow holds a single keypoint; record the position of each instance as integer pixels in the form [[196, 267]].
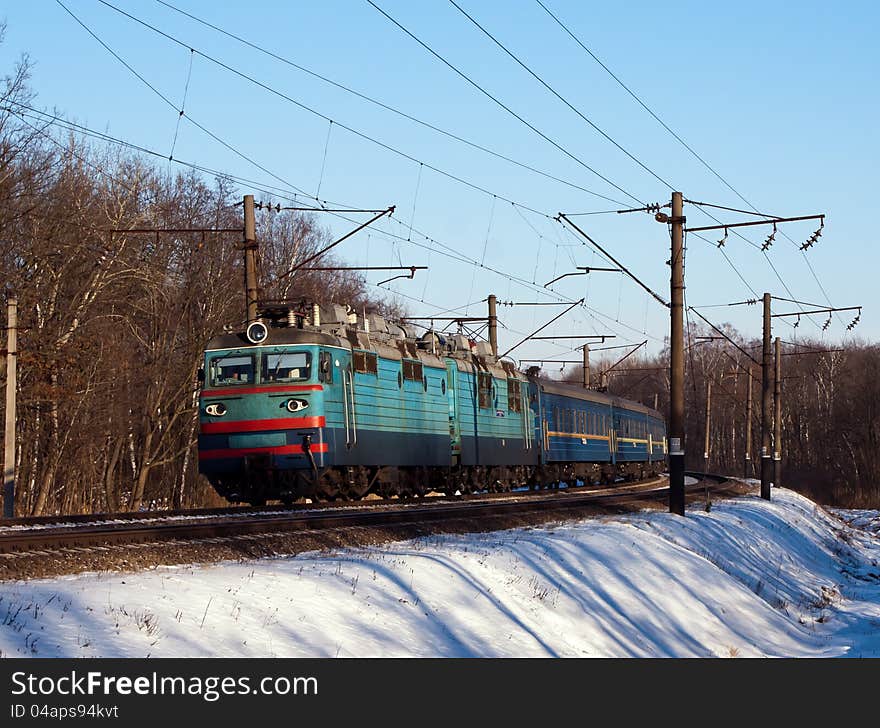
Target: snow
[[746, 578]]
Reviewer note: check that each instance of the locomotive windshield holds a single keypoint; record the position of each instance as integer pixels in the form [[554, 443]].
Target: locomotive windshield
[[287, 367], [229, 369], [237, 367]]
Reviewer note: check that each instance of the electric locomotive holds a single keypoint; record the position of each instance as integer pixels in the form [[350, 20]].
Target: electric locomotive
[[336, 405]]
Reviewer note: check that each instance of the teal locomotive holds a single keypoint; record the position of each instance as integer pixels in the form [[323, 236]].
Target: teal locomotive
[[335, 405]]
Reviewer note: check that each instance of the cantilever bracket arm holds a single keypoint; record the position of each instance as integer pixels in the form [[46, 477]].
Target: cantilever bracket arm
[[625, 357], [321, 252], [583, 270], [541, 328], [565, 275], [412, 274]]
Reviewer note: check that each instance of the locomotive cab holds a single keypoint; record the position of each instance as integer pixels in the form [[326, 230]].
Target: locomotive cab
[[262, 413]]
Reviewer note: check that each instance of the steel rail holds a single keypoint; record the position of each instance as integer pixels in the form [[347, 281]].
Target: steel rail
[[26, 541]]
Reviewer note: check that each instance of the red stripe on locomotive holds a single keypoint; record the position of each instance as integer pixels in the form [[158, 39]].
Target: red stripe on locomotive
[[278, 423], [239, 452]]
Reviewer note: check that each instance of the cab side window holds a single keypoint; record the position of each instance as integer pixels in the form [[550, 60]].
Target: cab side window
[[325, 367], [484, 387]]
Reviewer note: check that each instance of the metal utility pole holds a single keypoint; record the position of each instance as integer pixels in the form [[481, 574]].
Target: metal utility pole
[[250, 258], [676, 374], [586, 366], [493, 325], [777, 417], [708, 423], [747, 461], [766, 405], [9, 433]]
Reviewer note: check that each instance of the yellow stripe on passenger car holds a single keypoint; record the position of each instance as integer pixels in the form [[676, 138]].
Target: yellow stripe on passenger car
[[578, 435]]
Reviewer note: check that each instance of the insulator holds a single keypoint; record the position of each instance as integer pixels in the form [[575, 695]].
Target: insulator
[[814, 237], [770, 238], [826, 324]]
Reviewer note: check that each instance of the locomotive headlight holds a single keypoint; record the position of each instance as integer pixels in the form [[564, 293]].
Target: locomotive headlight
[[216, 409], [296, 405], [256, 332]]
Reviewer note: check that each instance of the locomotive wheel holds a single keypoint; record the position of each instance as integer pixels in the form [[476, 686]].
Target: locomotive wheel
[[452, 487], [386, 489], [420, 484], [327, 490], [357, 484]]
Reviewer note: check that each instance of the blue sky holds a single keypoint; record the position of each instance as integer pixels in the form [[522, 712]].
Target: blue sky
[[781, 101]]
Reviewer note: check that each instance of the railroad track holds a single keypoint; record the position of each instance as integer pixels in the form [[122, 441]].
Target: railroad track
[[83, 534]]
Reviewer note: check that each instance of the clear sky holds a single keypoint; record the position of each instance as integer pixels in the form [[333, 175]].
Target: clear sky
[[780, 99]]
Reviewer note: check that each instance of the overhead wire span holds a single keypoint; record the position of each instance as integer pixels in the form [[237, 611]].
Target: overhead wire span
[[324, 159], [320, 115], [170, 103], [380, 104], [500, 103], [694, 153], [182, 103], [289, 185], [445, 250], [268, 88], [58, 121], [560, 97], [223, 142]]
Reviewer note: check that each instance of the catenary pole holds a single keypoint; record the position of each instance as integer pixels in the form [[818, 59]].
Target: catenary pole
[[747, 458], [708, 424], [586, 366], [250, 258], [9, 432], [766, 405], [493, 324], [676, 374], [777, 417]]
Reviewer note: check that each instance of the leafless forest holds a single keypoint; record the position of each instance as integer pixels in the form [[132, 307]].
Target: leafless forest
[[113, 324], [830, 410]]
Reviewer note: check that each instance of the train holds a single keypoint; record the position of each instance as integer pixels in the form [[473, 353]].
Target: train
[[328, 404]]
